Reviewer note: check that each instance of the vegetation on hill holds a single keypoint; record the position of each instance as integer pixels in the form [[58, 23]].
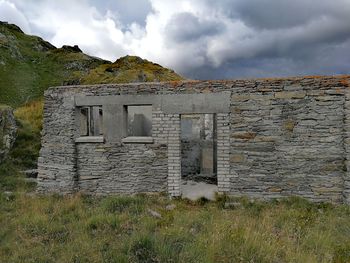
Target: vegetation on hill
[[29, 65], [129, 69], [25, 152]]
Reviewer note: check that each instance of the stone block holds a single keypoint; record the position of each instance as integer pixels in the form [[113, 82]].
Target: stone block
[[290, 94], [237, 158]]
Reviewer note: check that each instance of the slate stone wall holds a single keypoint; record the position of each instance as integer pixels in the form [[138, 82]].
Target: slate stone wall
[[281, 137], [109, 168], [289, 141], [57, 169]]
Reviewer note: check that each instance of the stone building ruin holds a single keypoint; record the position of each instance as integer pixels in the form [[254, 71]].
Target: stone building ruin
[[262, 138]]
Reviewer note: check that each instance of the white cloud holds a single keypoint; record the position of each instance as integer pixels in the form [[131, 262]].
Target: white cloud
[[10, 13]]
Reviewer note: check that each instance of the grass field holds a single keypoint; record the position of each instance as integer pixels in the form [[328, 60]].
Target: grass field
[[122, 229]]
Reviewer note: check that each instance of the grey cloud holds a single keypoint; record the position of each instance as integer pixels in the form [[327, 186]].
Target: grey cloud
[[226, 38], [290, 43], [285, 38], [185, 27], [323, 60], [10, 13], [128, 12], [275, 14]]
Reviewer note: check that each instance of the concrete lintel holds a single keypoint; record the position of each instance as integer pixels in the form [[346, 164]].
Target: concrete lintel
[[81, 100], [197, 103], [174, 103]]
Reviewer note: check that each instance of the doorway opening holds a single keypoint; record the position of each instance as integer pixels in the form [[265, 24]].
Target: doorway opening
[[198, 156]]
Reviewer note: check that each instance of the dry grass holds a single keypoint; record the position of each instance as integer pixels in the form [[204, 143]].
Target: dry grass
[[120, 229], [31, 113]]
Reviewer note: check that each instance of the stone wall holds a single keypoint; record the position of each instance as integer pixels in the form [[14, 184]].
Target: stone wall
[[190, 157], [124, 168], [280, 137], [289, 140]]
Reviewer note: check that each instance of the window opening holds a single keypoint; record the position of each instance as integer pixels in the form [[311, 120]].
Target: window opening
[[139, 120], [91, 121]]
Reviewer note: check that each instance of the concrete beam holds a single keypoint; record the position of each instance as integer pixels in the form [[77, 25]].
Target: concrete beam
[[174, 104]]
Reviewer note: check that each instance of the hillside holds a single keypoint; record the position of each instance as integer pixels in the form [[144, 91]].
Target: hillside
[[129, 69], [29, 65]]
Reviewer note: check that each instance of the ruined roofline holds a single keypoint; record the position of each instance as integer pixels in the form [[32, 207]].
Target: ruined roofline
[[344, 79]]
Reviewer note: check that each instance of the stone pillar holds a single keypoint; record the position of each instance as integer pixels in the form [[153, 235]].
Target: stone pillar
[[57, 168], [223, 152], [174, 155]]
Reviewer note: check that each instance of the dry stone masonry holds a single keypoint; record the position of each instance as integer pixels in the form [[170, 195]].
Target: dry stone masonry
[[275, 137]]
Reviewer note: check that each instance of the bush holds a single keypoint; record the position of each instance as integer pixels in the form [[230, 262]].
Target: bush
[[143, 250]]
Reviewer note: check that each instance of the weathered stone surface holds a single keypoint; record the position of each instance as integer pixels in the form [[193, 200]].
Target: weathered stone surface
[[279, 137], [8, 129], [290, 94]]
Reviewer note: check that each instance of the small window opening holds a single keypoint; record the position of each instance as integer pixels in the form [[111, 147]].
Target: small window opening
[[139, 120], [91, 121]]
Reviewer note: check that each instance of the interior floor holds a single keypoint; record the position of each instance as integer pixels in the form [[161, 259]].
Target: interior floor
[[195, 190]]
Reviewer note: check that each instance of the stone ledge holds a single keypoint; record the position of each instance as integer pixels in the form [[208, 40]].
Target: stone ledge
[[138, 139], [90, 139]]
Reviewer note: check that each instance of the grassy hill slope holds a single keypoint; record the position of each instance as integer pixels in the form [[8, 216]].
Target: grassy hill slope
[[29, 65]]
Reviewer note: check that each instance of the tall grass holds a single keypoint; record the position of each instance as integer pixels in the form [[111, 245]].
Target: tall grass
[[25, 151], [26, 148], [31, 113], [121, 229]]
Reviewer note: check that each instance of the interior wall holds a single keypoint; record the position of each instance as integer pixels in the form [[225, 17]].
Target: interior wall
[[197, 147]]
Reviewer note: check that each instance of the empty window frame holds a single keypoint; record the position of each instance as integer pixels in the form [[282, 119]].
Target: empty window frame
[[91, 121], [139, 120]]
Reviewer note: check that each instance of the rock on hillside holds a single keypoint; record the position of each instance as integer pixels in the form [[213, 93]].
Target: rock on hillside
[[130, 69], [8, 130]]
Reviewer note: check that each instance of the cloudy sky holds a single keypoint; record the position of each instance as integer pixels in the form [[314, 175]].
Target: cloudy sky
[[200, 39]]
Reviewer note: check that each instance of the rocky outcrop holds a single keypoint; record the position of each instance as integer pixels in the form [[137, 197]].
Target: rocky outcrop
[[8, 131], [74, 48]]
